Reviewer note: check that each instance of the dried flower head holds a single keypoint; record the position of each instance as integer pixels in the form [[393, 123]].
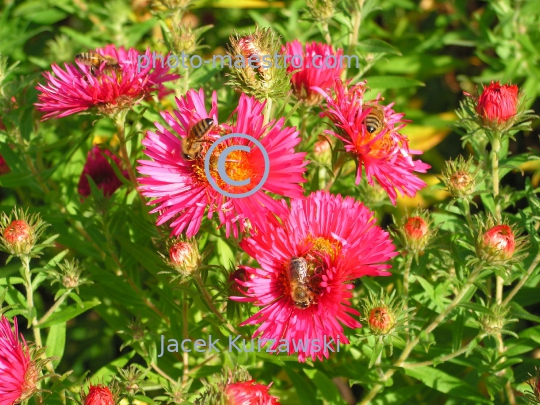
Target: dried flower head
[[254, 70], [461, 177], [20, 231]]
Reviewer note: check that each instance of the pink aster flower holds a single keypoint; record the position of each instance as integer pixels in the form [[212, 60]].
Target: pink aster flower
[[18, 373], [100, 171], [103, 89], [182, 190], [249, 393], [320, 66], [379, 148], [337, 240]]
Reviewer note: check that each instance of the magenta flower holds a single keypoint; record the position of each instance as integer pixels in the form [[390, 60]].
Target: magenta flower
[[338, 241], [320, 66], [384, 153], [100, 171], [75, 90], [18, 373], [182, 190]]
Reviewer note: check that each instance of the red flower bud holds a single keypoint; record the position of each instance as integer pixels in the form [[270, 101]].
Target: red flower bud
[[498, 104], [416, 228], [381, 320], [184, 257], [498, 243], [249, 392], [99, 395], [19, 236]]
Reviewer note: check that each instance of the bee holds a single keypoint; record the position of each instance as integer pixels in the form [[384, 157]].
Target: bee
[[192, 143], [297, 274], [95, 61], [374, 121]]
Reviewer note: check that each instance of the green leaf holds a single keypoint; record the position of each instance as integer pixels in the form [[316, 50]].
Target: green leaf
[[110, 369], [446, 383], [303, 388], [457, 331], [56, 342], [377, 46], [325, 386], [377, 350], [68, 313], [392, 82]]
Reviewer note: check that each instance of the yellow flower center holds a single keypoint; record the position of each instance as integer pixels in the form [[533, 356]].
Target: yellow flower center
[[322, 246], [237, 166]]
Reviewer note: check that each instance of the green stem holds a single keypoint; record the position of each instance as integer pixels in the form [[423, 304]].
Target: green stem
[[495, 149], [30, 300], [406, 275], [336, 171], [356, 21], [523, 280], [267, 111], [208, 299], [185, 357], [410, 346], [448, 356], [326, 32], [53, 308], [467, 210], [119, 120]]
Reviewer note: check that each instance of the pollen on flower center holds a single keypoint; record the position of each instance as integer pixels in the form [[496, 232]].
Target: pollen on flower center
[[237, 167], [322, 246]]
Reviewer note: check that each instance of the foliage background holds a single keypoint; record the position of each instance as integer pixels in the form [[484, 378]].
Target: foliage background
[[432, 52]]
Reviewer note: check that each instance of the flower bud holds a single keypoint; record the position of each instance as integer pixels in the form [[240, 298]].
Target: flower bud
[[497, 104], [321, 10], [19, 237], [460, 178], [497, 244], [235, 387], [254, 69], [99, 395], [184, 257], [381, 320], [415, 233], [249, 392]]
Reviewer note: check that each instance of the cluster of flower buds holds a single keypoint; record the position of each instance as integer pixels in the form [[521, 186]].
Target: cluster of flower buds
[[20, 231], [461, 177], [255, 70], [235, 387]]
